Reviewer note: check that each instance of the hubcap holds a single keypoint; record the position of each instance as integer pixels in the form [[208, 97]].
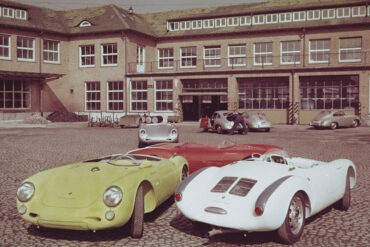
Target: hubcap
[[296, 215]]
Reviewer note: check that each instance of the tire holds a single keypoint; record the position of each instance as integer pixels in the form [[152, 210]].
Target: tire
[[345, 202], [292, 228], [205, 129], [137, 218], [333, 126], [154, 120], [219, 129], [141, 145], [267, 130], [184, 173], [355, 123]]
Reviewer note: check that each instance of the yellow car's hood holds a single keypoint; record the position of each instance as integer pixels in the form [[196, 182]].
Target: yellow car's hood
[[77, 185]]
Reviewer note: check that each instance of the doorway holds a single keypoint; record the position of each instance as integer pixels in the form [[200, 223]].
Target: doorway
[[197, 106]]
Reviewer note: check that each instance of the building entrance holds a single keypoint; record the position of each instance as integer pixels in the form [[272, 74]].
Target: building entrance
[[196, 106]]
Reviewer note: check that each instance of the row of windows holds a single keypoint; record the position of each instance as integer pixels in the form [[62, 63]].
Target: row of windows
[[350, 50], [138, 96], [14, 94], [273, 18], [13, 13]]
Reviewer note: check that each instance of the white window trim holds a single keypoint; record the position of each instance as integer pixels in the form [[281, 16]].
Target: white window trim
[[254, 55], [221, 20], [1, 11], [258, 19], [91, 91], [9, 48], [132, 101], [328, 11], [80, 57], [208, 23], [10, 13], [272, 16], [159, 58], [323, 50], [285, 17], [107, 54], [186, 24], [234, 21], [196, 24], [181, 57], [20, 14], [156, 100], [218, 57], [58, 53], [26, 48], [344, 16], [359, 12], [229, 57], [289, 52], [314, 17], [299, 15], [114, 101], [247, 19], [350, 60], [85, 24], [368, 13]]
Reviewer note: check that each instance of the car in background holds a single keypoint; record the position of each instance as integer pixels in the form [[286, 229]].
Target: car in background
[[257, 120], [334, 119], [157, 133], [136, 119], [265, 193], [102, 193], [219, 122], [204, 155]]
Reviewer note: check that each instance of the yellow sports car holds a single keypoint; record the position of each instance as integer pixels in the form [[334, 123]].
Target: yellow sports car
[[102, 193]]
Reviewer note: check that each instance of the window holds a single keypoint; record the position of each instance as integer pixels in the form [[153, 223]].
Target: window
[[139, 96], [319, 51], [5, 46], [350, 49], [285, 17], [20, 14], [14, 94], [164, 95], [212, 56], [51, 51], [115, 96], [188, 57], [173, 26], [263, 53], [272, 18], [263, 93], [109, 54], [358, 11], [220, 22], [299, 16], [258, 19], [343, 12], [290, 52], [25, 49], [331, 92], [313, 15], [85, 24], [237, 55], [8, 12], [165, 58], [328, 14], [209, 23], [245, 20], [185, 25], [233, 21], [92, 96], [197, 24], [87, 56]]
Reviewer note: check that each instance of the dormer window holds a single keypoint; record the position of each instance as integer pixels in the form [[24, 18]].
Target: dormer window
[[85, 24]]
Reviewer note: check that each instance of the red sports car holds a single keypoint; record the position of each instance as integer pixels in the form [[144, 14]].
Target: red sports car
[[203, 155]]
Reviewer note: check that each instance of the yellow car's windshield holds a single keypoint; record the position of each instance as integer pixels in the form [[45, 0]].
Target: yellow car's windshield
[[125, 160]]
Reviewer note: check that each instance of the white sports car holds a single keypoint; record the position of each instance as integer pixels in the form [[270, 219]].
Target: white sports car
[[265, 193]]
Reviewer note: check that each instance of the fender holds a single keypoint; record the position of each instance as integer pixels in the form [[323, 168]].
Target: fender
[[180, 189]]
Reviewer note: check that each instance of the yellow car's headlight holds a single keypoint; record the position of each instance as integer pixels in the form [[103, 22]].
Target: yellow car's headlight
[[25, 191], [112, 196]]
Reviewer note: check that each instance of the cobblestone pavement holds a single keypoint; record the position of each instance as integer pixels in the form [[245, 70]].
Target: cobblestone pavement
[[25, 151]]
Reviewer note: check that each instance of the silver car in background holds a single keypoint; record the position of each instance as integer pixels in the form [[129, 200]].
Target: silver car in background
[[334, 119], [257, 120], [157, 133]]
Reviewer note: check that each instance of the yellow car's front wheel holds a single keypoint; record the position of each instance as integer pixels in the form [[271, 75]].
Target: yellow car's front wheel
[[137, 218]]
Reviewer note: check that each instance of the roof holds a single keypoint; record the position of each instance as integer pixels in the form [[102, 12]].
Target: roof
[[110, 18]]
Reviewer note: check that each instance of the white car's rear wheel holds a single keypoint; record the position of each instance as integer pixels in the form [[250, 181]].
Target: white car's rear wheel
[[219, 129], [137, 218], [355, 123], [333, 125], [292, 228], [345, 202]]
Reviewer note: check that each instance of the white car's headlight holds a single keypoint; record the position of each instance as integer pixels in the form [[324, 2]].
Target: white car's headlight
[[173, 133], [142, 132], [112, 196], [25, 191], [229, 125]]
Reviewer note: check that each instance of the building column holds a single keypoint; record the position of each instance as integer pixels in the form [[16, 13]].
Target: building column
[[232, 93]]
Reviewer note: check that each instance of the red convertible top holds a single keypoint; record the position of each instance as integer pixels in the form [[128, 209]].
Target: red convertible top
[[202, 155]]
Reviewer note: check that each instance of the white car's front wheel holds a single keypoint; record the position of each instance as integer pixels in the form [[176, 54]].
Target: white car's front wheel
[[292, 228]]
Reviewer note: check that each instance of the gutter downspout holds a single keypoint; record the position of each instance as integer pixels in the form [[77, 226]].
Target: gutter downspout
[[42, 80], [124, 76]]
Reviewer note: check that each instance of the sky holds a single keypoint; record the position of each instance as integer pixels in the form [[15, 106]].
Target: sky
[[139, 6]]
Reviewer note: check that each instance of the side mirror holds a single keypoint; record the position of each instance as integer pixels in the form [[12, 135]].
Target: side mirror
[[146, 164]]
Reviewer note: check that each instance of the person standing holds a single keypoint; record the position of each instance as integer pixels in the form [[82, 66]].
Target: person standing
[[238, 119]]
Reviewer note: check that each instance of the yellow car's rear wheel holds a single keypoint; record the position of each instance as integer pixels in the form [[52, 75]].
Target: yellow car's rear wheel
[[137, 218]]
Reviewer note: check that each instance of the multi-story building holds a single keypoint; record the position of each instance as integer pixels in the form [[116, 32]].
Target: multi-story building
[[289, 59]]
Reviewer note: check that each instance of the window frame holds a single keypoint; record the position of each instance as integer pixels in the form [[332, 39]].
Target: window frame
[[8, 47], [167, 59], [86, 56], [222, 22], [238, 56], [359, 11], [115, 92], [343, 15], [283, 17], [290, 53], [23, 48], [20, 14], [323, 51], [214, 57], [316, 15], [109, 55], [165, 101], [350, 49], [299, 13], [268, 54], [25, 94], [57, 52], [247, 20], [185, 25], [258, 19], [196, 24], [10, 12], [145, 90], [272, 16], [328, 12], [188, 57], [233, 21], [96, 92]]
